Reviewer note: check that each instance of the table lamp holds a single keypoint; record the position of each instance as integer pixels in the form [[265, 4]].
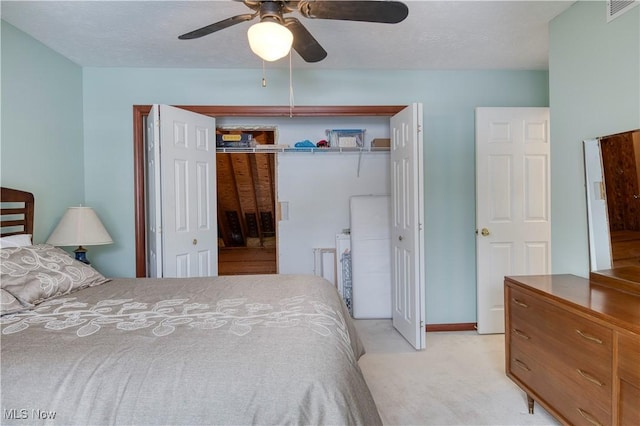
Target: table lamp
[[80, 226]]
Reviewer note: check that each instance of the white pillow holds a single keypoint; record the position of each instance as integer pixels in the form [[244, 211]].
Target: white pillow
[[19, 240]]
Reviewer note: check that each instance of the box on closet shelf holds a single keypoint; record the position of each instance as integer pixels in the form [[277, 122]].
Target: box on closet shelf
[[346, 138]]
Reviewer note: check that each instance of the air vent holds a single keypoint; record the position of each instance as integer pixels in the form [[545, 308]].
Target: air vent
[[616, 8]]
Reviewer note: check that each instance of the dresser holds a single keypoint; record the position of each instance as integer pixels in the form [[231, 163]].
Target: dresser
[[573, 346]]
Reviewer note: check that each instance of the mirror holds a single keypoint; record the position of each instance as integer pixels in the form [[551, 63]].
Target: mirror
[[612, 179]]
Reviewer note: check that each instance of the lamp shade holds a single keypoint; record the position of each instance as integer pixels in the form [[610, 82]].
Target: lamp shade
[[270, 40], [80, 226]]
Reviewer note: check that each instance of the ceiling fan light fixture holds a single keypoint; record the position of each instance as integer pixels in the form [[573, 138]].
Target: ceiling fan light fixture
[[270, 40]]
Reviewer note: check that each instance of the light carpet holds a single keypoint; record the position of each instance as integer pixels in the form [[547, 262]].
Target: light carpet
[[459, 379]]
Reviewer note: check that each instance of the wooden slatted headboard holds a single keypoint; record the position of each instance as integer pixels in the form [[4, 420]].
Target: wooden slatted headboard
[[16, 212]]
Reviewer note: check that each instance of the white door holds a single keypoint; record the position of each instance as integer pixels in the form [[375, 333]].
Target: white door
[[407, 232], [512, 204], [187, 192]]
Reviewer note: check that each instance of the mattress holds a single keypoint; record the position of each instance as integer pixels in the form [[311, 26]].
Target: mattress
[[371, 255], [266, 349]]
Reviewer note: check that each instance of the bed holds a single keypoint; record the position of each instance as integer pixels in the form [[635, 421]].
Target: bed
[[85, 349]]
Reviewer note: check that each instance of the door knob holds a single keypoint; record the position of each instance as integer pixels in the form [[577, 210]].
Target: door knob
[[400, 238], [195, 241], [484, 232]]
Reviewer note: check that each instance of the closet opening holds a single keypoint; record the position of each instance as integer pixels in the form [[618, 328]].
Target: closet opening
[[247, 237], [140, 113]]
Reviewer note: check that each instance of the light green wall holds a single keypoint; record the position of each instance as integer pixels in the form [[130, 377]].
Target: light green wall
[[449, 99], [594, 85], [42, 141], [103, 98]]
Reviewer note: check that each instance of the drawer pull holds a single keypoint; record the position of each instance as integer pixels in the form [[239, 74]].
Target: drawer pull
[[589, 337], [589, 377], [520, 303], [521, 364], [589, 417], [520, 333]]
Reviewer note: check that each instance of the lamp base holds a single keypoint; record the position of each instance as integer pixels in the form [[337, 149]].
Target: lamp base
[[81, 255]]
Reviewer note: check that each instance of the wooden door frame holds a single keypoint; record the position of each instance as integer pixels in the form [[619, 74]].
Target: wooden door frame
[[141, 111]]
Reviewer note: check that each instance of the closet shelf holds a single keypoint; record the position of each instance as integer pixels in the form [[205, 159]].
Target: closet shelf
[[281, 149]]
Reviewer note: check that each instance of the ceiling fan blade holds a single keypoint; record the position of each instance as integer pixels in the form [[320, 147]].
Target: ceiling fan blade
[[304, 43], [387, 12], [221, 25]]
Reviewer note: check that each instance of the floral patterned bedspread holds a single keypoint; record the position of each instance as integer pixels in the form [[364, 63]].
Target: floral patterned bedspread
[[267, 349]]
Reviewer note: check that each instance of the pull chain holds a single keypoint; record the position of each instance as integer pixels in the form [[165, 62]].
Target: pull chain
[[264, 79], [290, 87]]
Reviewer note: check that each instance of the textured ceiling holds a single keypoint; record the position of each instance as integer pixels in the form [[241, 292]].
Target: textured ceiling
[[436, 35]]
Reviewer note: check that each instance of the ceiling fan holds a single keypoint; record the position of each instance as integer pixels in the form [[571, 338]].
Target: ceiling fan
[[274, 11]]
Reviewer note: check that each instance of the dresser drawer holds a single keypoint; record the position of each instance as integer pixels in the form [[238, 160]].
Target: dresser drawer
[[578, 373], [560, 326], [629, 358], [629, 409], [557, 330], [629, 379], [594, 372], [576, 404], [592, 359]]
